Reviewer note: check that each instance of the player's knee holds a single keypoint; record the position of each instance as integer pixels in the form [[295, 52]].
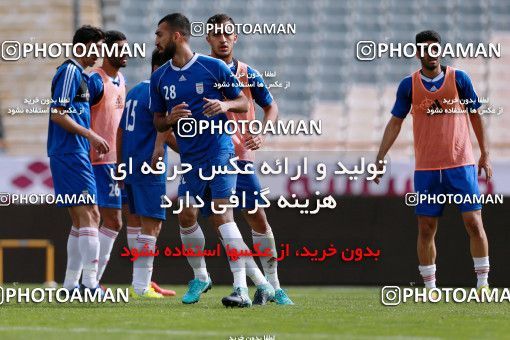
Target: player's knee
[[88, 217], [474, 227], [187, 218], [75, 220], [113, 223], [154, 230], [427, 231], [93, 216], [157, 230], [151, 226], [133, 221], [261, 226]]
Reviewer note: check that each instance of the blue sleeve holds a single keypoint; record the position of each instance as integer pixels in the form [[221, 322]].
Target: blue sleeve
[[226, 75], [157, 100], [258, 88], [66, 83], [96, 86], [466, 90], [403, 101]]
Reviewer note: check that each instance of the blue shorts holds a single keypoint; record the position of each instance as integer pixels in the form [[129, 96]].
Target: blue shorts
[[245, 183], [461, 180], [145, 199], [220, 186], [249, 184], [108, 191], [72, 175]]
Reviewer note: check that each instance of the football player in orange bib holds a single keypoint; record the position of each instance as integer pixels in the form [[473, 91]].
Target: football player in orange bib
[[443, 104]]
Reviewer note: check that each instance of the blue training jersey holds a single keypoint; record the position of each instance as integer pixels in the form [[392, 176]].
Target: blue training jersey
[[69, 90], [139, 134], [96, 87], [170, 86], [465, 89], [258, 88]]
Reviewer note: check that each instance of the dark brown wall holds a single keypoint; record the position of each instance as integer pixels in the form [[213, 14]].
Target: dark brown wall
[[380, 223]]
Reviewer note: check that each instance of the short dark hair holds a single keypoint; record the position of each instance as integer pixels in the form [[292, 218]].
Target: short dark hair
[[158, 58], [111, 37], [220, 18], [178, 22], [86, 34], [428, 35]]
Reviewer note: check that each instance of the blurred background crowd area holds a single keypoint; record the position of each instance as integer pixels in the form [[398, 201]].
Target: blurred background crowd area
[[352, 98]]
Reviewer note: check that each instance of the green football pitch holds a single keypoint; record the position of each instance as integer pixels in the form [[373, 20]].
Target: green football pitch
[[319, 313]]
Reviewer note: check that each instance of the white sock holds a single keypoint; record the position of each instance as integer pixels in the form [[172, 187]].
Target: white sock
[[106, 239], [269, 263], [132, 234], [253, 272], [89, 249], [232, 237], [429, 275], [193, 238], [142, 267], [74, 264], [250, 267], [482, 270]]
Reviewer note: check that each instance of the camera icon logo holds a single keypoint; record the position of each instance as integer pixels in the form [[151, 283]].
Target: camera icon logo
[[197, 29], [5, 199], [11, 50], [391, 295], [411, 199], [187, 127], [365, 50]]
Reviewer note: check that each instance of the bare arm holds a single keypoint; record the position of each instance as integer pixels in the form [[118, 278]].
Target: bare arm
[[237, 105], [119, 145], [160, 139], [484, 162], [68, 124], [390, 135], [160, 122], [270, 114], [163, 122], [172, 142], [214, 106], [159, 147]]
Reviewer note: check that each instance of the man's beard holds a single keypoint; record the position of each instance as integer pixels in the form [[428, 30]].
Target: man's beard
[[428, 66], [169, 51], [117, 63]]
